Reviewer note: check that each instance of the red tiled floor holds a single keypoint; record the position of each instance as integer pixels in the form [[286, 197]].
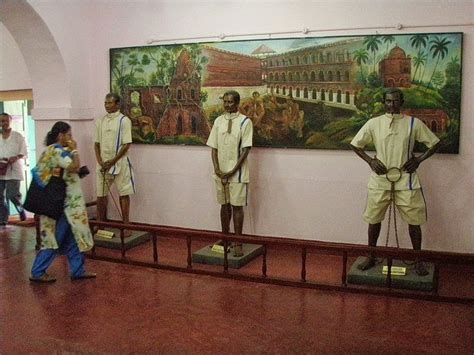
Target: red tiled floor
[[138, 310]]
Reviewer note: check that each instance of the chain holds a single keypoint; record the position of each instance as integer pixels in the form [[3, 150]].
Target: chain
[[392, 207]]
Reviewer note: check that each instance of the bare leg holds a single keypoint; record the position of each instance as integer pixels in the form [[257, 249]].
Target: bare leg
[[373, 234], [416, 237], [238, 214], [125, 208]]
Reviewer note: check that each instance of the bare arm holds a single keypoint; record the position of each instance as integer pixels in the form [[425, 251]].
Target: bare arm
[[76, 164], [97, 153], [215, 162], [376, 165], [14, 158], [414, 162]]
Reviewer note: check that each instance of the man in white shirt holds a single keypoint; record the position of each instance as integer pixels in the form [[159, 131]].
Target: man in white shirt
[[394, 135], [12, 152], [231, 140], [113, 137]]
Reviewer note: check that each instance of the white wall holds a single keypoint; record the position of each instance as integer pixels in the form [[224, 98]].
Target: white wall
[[13, 71], [313, 194]]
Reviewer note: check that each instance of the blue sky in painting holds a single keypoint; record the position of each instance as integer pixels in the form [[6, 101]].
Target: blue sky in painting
[[278, 45]]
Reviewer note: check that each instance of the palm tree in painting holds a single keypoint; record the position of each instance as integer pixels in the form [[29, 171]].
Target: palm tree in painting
[[388, 39], [372, 43], [419, 60], [439, 50], [361, 56], [454, 60], [419, 42]]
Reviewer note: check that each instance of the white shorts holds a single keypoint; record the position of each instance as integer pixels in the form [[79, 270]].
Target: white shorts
[[124, 180], [234, 193], [410, 204]]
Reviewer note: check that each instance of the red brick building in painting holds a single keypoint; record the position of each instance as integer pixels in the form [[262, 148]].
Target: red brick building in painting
[[175, 109], [436, 120], [323, 72], [184, 114], [229, 69], [395, 70]]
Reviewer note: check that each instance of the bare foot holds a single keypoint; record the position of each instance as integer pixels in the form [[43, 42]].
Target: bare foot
[[420, 269], [238, 250], [368, 263]]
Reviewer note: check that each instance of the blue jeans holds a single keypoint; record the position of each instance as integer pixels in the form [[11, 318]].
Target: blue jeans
[[9, 191], [67, 246]]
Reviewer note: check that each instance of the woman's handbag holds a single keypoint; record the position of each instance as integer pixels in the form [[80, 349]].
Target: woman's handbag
[[47, 200]]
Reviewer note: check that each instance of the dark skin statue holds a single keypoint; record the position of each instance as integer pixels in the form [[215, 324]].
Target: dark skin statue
[[393, 102], [229, 211], [112, 106]]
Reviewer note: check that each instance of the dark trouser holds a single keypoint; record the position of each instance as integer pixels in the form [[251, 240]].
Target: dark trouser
[[67, 246], [9, 191]]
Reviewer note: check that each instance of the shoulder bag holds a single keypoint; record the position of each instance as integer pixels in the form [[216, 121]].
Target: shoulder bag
[[47, 200]]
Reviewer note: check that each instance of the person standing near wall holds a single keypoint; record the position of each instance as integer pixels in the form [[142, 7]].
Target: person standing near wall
[[394, 135], [231, 139], [12, 152], [112, 141]]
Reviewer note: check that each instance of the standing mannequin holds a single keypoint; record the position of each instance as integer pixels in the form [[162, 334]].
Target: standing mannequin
[[393, 135], [231, 140], [113, 137]]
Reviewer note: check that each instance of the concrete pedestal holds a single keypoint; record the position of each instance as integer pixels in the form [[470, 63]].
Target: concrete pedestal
[[374, 276], [207, 256], [135, 239]]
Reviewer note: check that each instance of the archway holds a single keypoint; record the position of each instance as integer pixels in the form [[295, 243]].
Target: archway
[[49, 79], [46, 67]]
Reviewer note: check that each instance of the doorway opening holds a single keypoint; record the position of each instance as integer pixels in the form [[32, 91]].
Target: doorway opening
[[19, 107]]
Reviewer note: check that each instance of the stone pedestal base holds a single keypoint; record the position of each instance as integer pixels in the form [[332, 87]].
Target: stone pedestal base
[[375, 277], [207, 256], [135, 239]]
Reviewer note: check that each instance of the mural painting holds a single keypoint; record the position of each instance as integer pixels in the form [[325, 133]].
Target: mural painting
[[300, 93]]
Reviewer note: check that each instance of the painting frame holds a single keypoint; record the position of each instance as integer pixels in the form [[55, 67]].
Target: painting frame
[[303, 93]]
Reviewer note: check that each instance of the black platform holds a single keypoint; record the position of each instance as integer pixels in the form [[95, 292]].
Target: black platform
[[207, 256], [135, 239], [374, 276]]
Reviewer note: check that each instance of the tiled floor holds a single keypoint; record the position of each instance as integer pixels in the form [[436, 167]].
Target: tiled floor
[[137, 310]]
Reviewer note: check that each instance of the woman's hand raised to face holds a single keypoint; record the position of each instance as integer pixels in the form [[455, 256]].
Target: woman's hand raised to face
[[71, 144]]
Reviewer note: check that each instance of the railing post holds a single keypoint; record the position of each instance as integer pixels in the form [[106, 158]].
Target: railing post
[[344, 268], [190, 258], [155, 248], [389, 272], [122, 242], [226, 262], [303, 265], [436, 278], [264, 261]]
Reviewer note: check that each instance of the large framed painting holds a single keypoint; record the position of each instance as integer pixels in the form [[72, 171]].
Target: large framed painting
[[312, 92]]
